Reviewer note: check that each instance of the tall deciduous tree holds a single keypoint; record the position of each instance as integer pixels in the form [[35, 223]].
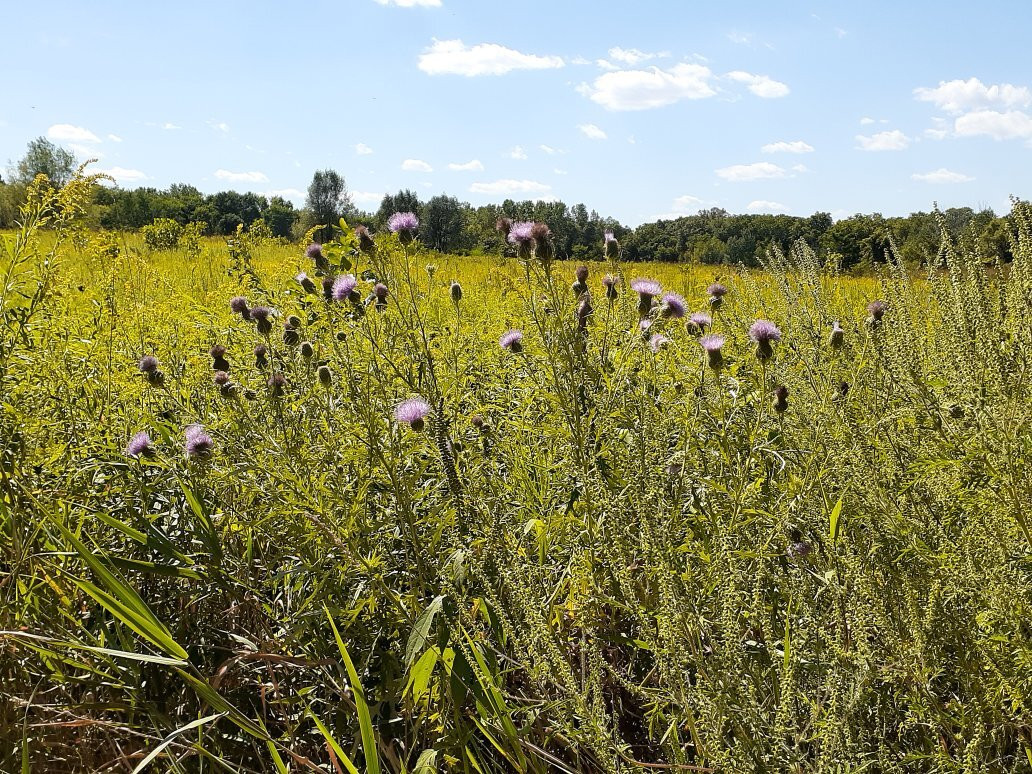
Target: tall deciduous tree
[[328, 199], [44, 157]]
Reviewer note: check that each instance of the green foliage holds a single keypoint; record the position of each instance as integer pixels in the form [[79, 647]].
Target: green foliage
[[45, 158], [591, 557], [162, 234]]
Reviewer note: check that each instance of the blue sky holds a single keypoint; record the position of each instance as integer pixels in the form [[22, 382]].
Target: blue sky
[[638, 109]]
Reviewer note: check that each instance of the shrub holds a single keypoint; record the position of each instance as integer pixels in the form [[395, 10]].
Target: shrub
[[162, 234]]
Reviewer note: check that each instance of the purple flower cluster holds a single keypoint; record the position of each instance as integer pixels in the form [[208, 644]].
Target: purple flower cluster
[[512, 340], [139, 445], [343, 287], [673, 306], [412, 412], [199, 444], [402, 221]]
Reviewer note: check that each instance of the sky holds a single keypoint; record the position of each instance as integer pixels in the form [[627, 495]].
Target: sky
[[641, 110]]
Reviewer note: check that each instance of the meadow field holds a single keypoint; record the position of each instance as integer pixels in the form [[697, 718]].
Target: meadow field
[[496, 514]]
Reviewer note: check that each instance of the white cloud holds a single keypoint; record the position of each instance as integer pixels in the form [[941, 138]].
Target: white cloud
[[742, 173], [412, 3], [114, 138], [548, 149], [631, 140], [651, 88], [220, 126], [416, 165], [518, 153], [170, 126], [580, 60], [687, 202], [363, 197], [69, 133], [362, 149], [866, 120], [841, 32], [796, 146], [453, 57], [510, 186], [241, 177], [942, 175], [123, 175], [632, 56], [936, 134], [961, 96], [1011, 125], [760, 85], [603, 64], [469, 166], [286, 193], [762, 205], [560, 172], [883, 141], [85, 151], [741, 38], [591, 131], [800, 168]]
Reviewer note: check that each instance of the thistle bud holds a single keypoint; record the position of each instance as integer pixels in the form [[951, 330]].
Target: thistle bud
[[260, 357], [325, 376], [837, 337], [612, 246], [365, 240], [307, 350], [456, 292], [781, 399], [543, 249], [277, 384]]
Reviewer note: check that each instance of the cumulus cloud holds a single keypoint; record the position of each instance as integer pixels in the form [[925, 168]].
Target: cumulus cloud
[[760, 85], [123, 175], [960, 96], [941, 175], [114, 138], [287, 193], [762, 205], [651, 88], [241, 177], [416, 165], [1014, 124], [866, 120], [469, 166], [362, 149], [85, 151], [592, 132], [893, 140], [70, 133], [743, 173], [796, 146], [453, 57], [510, 186], [518, 153], [412, 3], [366, 197], [632, 56]]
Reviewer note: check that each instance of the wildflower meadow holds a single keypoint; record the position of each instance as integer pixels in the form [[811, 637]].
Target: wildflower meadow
[[359, 506]]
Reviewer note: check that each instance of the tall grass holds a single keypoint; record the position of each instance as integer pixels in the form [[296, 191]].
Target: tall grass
[[592, 557]]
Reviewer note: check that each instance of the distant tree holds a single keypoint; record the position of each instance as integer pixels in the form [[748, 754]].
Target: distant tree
[[402, 201], [441, 227], [280, 216], [328, 200], [44, 157]]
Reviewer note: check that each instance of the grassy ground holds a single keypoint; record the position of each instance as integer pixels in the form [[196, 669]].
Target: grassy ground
[[593, 556]]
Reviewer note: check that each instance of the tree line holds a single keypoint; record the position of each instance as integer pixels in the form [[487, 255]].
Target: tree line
[[712, 236]]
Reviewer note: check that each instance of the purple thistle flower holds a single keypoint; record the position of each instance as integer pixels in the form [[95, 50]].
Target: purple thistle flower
[[238, 304], [673, 305], [139, 445], [199, 444], [764, 334], [876, 309], [343, 287], [221, 378], [763, 331], [402, 221], [277, 383], [314, 251], [413, 412], [380, 291], [520, 233], [612, 247], [657, 342], [261, 313], [503, 225], [582, 274], [609, 282], [712, 342], [512, 340], [365, 239], [716, 290], [148, 364], [646, 287], [701, 321]]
